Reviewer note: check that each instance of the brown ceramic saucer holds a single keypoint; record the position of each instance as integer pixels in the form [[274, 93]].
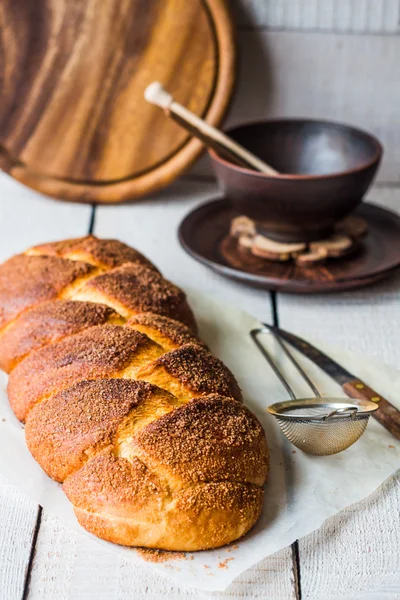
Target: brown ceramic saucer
[[204, 234]]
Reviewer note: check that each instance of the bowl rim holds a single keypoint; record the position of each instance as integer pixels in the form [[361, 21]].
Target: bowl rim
[[298, 176]]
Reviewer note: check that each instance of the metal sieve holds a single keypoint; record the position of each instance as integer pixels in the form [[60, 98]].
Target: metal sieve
[[318, 425]]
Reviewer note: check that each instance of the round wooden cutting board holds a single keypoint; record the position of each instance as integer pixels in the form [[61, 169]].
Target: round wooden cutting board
[[73, 120]]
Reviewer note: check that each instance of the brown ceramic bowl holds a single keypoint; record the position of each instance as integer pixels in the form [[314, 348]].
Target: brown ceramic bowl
[[325, 168]]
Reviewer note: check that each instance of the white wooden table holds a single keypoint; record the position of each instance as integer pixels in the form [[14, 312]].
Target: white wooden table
[[355, 555]]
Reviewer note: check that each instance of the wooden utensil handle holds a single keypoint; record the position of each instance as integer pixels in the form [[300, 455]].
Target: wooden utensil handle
[[387, 414], [222, 151], [208, 132]]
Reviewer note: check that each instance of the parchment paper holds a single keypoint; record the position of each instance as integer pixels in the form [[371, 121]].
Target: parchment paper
[[302, 491]]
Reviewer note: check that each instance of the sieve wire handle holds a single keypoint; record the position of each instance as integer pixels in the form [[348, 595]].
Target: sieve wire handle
[[254, 335], [271, 329], [292, 359]]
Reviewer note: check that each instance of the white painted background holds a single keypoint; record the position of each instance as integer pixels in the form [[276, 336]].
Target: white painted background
[[337, 59], [333, 59]]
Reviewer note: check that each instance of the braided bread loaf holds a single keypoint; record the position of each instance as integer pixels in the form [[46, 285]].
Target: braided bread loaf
[[122, 403]]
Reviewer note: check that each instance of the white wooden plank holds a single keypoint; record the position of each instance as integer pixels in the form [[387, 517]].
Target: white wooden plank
[[347, 78], [386, 592], [70, 566], [17, 524], [26, 218], [272, 578], [365, 320], [357, 553], [326, 15], [378, 16]]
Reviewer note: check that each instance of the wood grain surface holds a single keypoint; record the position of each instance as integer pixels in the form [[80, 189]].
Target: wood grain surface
[[387, 414], [18, 515], [73, 120]]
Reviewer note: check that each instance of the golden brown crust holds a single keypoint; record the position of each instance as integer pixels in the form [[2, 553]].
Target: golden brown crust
[[206, 516], [116, 486], [64, 432], [191, 371], [26, 281], [209, 439], [48, 323], [141, 422], [99, 352], [107, 254], [212, 515], [133, 289], [168, 333]]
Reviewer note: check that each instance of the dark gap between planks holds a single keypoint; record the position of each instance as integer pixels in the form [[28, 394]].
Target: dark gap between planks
[[295, 545], [92, 221], [25, 593], [28, 572]]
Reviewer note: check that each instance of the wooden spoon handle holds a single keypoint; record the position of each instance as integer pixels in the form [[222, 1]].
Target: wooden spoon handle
[[387, 414], [216, 138], [223, 151], [156, 94]]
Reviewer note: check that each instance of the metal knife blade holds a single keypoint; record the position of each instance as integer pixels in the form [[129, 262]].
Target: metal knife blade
[[327, 364]]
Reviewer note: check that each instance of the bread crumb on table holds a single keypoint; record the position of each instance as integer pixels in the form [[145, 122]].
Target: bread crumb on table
[[158, 556], [223, 564]]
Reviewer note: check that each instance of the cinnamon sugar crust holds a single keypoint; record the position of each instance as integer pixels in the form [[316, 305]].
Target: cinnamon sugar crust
[[221, 511], [205, 516], [115, 486], [169, 333], [26, 281], [191, 371], [220, 496], [209, 439], [158, 556], [48, 323], [78, 423], [99, 352], [107, 254], [133, 289]]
